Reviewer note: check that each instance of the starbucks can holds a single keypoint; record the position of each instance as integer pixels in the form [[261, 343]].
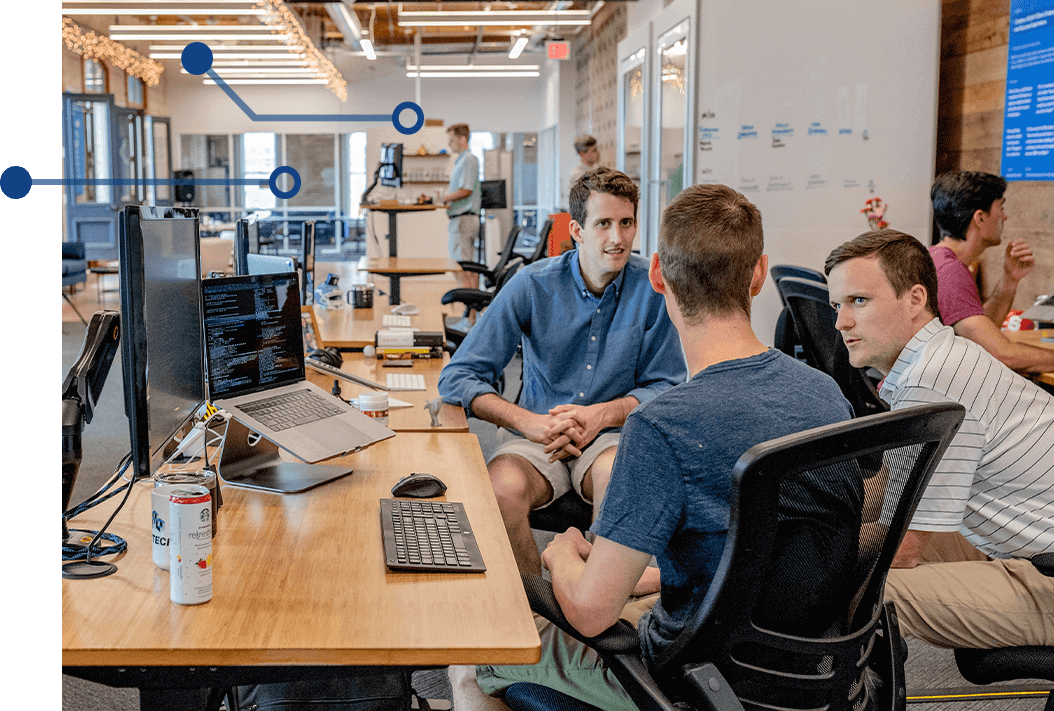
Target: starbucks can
[[190, 545]]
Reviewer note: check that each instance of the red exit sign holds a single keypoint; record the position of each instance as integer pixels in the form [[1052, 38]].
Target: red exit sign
[[558, 50]]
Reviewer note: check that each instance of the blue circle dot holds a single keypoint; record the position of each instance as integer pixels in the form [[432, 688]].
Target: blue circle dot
[[15, 182], [272, 182], [411, 129], [196, 58]]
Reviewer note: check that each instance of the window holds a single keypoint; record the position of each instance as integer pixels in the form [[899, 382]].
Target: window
[[258, 160], [356, 147], [135, 91], [94, 77]]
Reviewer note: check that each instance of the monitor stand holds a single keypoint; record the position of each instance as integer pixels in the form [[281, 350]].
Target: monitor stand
[[260, 466]]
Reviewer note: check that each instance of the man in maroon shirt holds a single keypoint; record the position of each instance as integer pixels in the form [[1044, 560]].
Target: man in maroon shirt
[[968, 207]]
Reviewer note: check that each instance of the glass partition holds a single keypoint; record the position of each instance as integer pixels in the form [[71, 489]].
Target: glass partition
[[90, 150]]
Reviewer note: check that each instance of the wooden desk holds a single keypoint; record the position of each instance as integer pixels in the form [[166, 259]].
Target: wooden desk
[[401, 419], [393, 214], [355, 328], [396, 268], [1033, 338], [301, 580]]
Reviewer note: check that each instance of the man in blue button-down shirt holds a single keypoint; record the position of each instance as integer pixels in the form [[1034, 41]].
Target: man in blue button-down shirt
[[596, 343]]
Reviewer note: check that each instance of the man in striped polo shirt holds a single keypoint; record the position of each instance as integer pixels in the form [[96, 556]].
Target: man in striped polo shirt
[[994, 485]]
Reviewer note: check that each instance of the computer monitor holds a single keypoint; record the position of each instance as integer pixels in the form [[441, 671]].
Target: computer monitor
[[246, 241], [493, 195], [391, 170], [161, 330], [270, 264], [307, 253]]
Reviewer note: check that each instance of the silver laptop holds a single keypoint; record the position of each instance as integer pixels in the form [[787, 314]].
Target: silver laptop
[[254, 352], [1042, 311]]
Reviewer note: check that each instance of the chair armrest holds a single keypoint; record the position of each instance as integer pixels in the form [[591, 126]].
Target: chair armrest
[[73, 250], [473, 298], [619, 645], [475, 267], [620, 638]]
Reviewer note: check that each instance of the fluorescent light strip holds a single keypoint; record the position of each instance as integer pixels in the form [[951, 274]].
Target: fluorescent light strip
[[266, 70], [173, 12], [488, 23], [456, 75], [483, 14], [197, 37], [270, 81], [472, 67], [266, 58], [517, 48], [192, 28], [367, 47], [160, 2], [178, 48]]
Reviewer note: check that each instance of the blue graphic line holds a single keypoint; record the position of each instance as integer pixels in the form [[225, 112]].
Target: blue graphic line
[[291, 117], [261, 182]]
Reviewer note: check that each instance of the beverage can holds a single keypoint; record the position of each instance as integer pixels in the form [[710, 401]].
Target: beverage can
[[159, 523], [204, 478], [190, 545]]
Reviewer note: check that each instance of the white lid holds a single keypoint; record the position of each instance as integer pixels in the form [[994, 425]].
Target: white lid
[[373, 401]]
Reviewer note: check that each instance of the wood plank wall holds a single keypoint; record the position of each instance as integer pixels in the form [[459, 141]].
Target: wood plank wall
[[971, 98]]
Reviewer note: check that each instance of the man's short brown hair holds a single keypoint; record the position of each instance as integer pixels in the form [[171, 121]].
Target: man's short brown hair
[[459, 129], [709, 242], [903, 259], [601, 180], [584, 142]]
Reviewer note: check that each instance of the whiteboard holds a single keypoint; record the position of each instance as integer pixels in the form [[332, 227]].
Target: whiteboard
[[810, 108]]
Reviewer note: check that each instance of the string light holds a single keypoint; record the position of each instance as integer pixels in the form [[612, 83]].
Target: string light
[[93, 46], [277, 14]]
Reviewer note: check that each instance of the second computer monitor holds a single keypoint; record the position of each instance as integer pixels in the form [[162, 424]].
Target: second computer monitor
[[391, 170], [246, 241]]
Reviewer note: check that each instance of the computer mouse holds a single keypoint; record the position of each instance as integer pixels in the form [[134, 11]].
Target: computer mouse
[[405, 310], [419, 486]]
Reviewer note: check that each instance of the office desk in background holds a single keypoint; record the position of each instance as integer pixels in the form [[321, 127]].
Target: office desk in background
[[350, 328], [398, 268], [400, 419], [1034, 338], [393, 212], [301, 580]]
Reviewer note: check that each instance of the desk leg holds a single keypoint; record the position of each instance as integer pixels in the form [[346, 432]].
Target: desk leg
[[393, 290], [393, 242]]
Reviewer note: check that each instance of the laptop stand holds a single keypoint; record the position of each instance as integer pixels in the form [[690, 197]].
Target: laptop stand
[[260, 466]]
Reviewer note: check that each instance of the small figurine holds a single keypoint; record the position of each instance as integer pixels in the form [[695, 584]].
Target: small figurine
[[433, 409]]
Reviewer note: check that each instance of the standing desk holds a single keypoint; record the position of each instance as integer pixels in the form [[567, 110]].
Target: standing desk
[[1034, 338], [300, 588], [393, 214]]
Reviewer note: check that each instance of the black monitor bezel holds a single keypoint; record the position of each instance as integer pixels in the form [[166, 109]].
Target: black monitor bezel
[[392, 178]]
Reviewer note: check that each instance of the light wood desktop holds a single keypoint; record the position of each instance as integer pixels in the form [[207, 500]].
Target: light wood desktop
[[400, 419], [398, 268], [301, 580], [1034, 338], [353, 328]]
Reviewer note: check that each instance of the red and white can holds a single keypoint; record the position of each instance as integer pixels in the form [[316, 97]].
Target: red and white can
[[190, 545]]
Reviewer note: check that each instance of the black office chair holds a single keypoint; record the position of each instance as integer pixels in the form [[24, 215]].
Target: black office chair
[[490, 274], [777, 630], [786, 338], [474, 299], [814, 321], [543, 243]]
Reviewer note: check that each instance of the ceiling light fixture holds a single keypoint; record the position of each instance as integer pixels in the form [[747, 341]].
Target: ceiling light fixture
[[178, 48], [447, 18], [367, 47], [194, 37], [221, 58], [517, 47], [160, 12], [94, 46], [473, 67], [270, 81], [203, 29], [463, 74], [279, 16]]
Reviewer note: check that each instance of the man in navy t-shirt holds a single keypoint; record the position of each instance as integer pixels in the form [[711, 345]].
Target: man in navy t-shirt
[[668, 493]]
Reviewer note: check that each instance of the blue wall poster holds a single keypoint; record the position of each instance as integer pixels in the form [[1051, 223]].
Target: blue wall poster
[[1028, 121]]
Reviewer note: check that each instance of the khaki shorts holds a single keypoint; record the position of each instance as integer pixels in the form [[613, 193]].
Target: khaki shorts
[[563, 474], [461, 237]]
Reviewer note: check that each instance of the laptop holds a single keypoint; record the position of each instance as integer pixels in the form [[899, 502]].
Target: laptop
[[1041, 311], [254, 355]]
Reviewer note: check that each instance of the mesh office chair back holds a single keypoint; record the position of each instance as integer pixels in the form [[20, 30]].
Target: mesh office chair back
[[814, 321], [786, 337]]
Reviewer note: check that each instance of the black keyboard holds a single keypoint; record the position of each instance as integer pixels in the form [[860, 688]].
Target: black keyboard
[[428, 536], [290, 410]]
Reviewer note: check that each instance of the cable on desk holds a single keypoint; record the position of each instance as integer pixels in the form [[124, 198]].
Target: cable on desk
[[72, 552]]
